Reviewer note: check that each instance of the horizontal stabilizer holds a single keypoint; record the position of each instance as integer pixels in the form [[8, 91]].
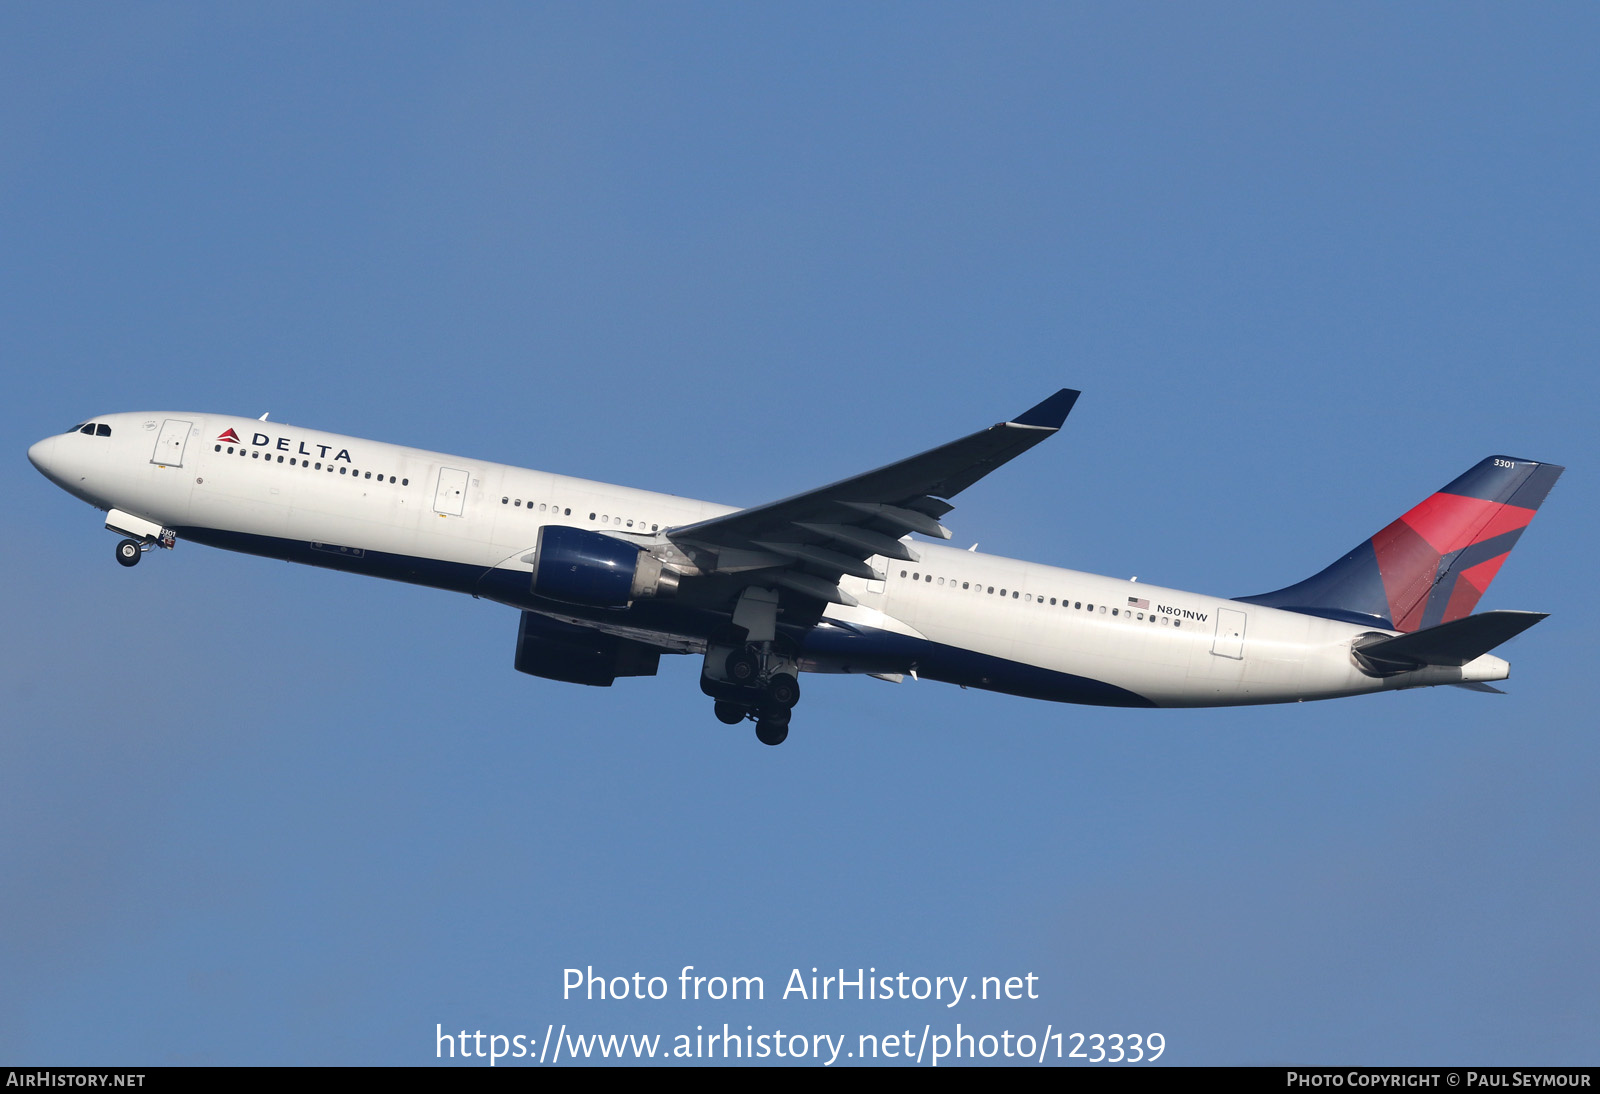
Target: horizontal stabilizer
[[1477, 686], [1454, 643]]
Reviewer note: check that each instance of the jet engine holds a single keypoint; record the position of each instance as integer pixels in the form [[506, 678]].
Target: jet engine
[[578, 566], [576, 655]]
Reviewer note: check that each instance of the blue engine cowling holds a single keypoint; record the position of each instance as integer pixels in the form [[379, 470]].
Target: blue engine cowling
[[582, 567], [577, 655]]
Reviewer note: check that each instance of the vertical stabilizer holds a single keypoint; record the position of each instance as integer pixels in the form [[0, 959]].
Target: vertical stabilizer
[[1431, 565]]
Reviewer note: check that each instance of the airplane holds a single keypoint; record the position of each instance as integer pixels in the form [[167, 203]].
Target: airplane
[[607, 579]]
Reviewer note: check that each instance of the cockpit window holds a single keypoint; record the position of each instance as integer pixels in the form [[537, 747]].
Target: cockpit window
[[89, 429], [102, 430], [75, 428]]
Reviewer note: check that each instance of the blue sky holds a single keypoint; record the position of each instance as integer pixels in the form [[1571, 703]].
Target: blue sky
[[1306, 263]]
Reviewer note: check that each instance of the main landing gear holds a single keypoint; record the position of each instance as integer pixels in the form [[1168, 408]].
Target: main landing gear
[[757, 682], [751, 672]]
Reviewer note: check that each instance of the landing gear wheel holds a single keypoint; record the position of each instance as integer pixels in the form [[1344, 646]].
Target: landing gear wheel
[[742, 667], [783, 691], [129, 552], [770, 732], [729, 714]]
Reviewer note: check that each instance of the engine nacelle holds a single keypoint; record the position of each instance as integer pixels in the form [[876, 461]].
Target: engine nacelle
[[577, 655], [583, 567]]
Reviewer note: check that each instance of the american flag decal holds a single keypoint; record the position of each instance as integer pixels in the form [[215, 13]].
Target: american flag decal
[[1135, 602]]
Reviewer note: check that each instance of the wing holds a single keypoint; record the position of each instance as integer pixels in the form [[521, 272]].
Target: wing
[[808, 541]]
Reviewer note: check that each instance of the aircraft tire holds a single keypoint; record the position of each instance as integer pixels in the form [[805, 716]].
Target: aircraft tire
[[770, 732], [729, 714], [742, 667], [128, 552], [783, 691]]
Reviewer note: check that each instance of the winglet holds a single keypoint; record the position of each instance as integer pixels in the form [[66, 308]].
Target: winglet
[[1051, 413]]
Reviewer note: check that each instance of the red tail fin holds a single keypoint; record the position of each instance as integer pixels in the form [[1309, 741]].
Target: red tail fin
[[1431, 565]]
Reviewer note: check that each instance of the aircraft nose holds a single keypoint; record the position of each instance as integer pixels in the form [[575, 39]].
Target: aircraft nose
[[42, 455], [39, 453]]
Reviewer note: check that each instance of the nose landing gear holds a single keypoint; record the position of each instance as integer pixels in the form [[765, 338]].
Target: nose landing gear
[[142, 535]]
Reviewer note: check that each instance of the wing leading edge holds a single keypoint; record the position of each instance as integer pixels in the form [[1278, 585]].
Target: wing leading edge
[[808, 541]]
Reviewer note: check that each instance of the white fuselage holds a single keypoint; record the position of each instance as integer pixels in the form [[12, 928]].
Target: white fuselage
[[969, 618]]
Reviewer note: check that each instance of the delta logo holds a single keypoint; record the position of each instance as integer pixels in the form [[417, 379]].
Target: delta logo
[[283, 444]]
